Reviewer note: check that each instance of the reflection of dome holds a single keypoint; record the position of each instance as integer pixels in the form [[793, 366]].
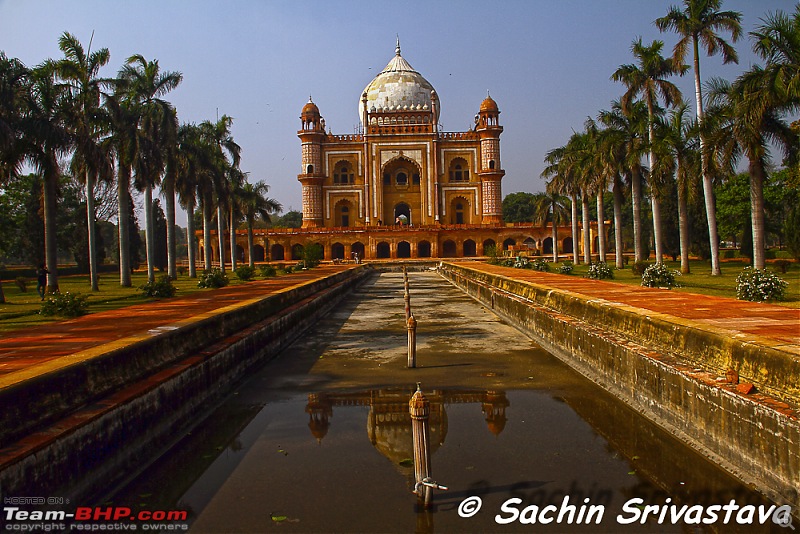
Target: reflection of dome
[[398, 87], [320, 411]]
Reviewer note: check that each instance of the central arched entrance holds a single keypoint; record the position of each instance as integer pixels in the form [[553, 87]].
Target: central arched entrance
[[401, 189]]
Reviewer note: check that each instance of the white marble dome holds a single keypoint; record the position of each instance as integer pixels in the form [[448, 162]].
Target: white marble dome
[[398, 87]]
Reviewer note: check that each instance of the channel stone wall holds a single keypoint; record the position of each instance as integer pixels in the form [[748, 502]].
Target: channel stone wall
[[668, 369]]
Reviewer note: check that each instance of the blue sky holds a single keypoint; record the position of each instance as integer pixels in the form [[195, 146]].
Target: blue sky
[[547, 63]]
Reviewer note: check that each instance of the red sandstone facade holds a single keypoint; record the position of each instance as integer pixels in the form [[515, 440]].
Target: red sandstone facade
[[401, 188]]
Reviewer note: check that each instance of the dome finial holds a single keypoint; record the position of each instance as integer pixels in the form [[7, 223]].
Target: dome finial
[[309, 99], [397, 48]]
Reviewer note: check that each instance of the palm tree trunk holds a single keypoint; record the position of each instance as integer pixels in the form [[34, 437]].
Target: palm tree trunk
[[91, 230], [587, 229], [50, 239], [654, 202], [601, 226], [757, 175], [708, 185], [636, 201], [221, 237], [2, 295], [232, 228], [123, 223], [207, 256], [250, 243], [618, 246], [555, 237], [575, 237], [191, 240], [657, 228], [169, 200], [148, 231], [683, 228]]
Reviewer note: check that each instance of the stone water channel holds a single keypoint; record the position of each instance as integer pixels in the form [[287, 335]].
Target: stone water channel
[[319, 440]]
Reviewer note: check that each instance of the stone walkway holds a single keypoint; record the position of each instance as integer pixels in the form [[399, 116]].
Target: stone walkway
[[26, 352], [737, 316]]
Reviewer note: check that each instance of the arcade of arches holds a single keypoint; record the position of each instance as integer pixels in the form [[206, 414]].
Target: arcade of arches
[[399, 242]]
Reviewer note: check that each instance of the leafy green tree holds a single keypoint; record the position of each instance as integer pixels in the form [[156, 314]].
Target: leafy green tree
[[791, 230], [649, 78], [699, 23], [290, 219], [519, 208]]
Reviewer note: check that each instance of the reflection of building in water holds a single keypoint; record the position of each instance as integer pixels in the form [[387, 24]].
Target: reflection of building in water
[[389, 423]]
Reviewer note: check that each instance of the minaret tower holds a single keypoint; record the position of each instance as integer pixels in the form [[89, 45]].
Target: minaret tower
[[490, 172], [311, 134]]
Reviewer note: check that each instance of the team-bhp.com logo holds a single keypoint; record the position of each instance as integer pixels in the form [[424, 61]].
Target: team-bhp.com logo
[[89, 518]]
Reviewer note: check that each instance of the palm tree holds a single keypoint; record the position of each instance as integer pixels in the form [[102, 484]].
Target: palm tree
[[190, 170], [256, 204], [552, 206], [228, 155], [14, 85], [676, 141], [124, 139], [46, 141], [751, 110], [699, 23], [145, 84], [565, 180], [91, 156], [623, 140], [168, 192], [648, 78], [236, 180]]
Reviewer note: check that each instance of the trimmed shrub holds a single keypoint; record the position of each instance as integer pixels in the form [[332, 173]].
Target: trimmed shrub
[[215, 278], [759, 285], [160, 289], [268, 271], [658, 275], [311, 257], [22, 283], [600, 271], [566, 267], [782, 265], [245, 272], [65, 304], [639, 267], [491, 252], [286, 269]]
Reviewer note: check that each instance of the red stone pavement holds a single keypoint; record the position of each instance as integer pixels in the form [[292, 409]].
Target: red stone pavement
[[22, 349], [766, 320]]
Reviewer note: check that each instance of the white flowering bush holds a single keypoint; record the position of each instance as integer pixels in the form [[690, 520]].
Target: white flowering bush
[[759, 285], [540, 265], [566, 267], [600, 271], [659, 275]]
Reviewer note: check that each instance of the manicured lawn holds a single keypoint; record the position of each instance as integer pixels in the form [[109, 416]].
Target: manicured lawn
[[21, 310], [701, 281]]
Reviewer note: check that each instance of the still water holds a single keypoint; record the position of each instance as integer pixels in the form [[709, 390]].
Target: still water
[[319, 440]]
